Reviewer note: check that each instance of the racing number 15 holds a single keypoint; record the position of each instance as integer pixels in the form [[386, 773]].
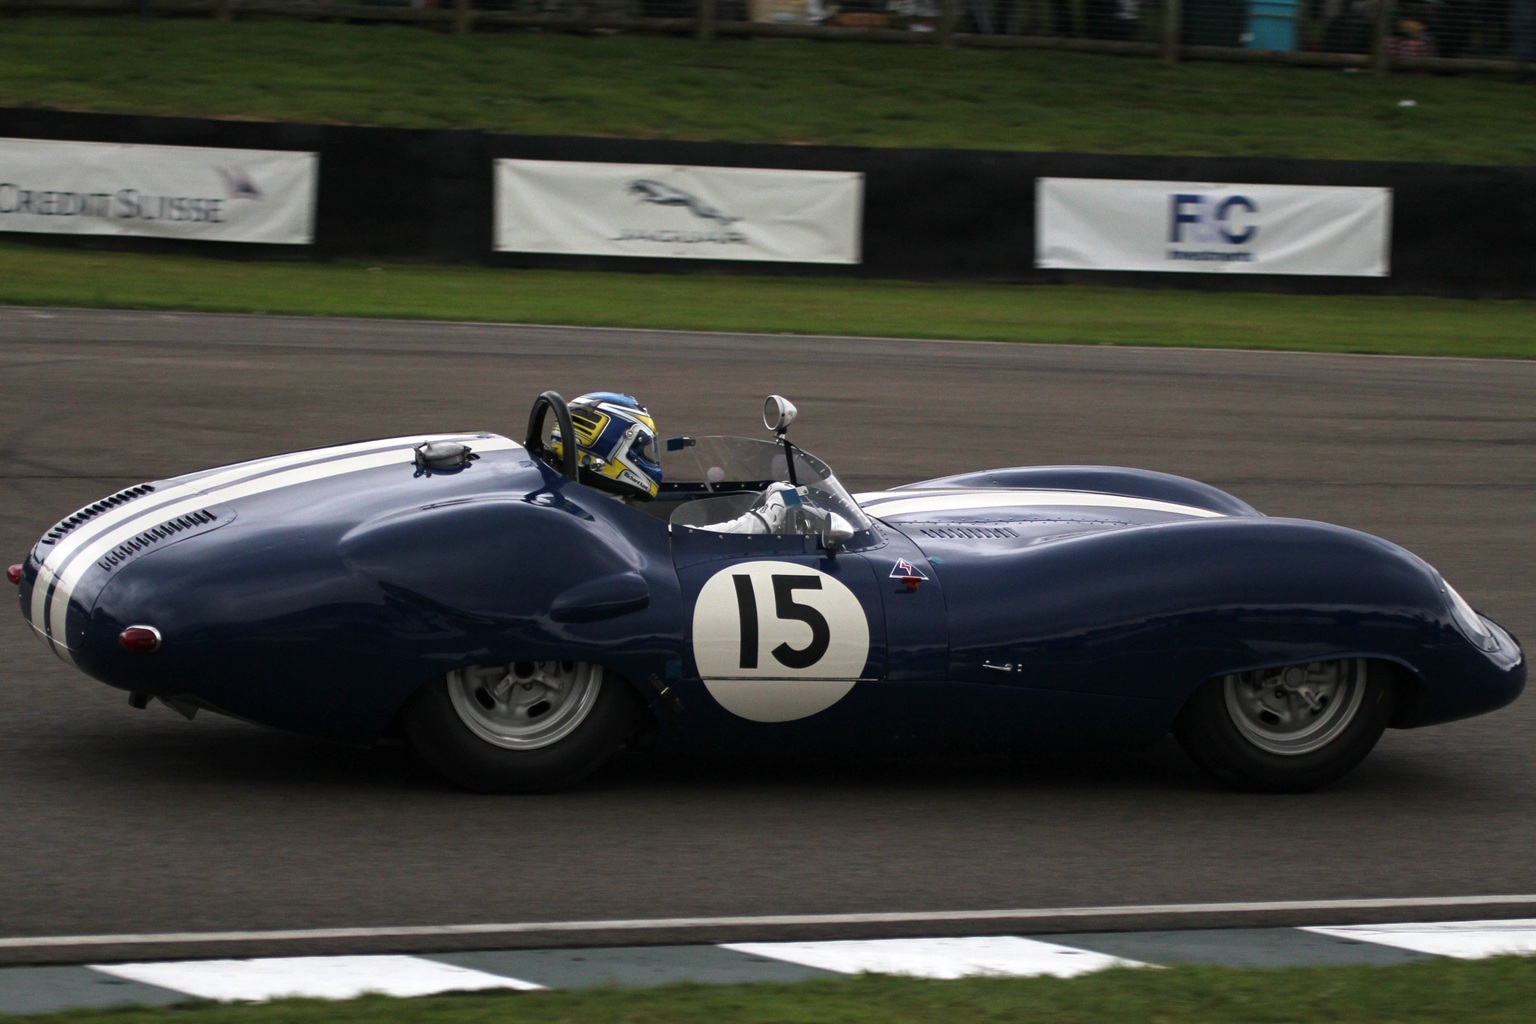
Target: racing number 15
[[785, 607]]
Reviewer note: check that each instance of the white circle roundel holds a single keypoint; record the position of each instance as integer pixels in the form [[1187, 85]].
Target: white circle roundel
[[777, 641]]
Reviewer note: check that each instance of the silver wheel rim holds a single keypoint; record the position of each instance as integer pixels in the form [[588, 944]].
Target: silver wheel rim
[[1296, 709], [525, 705]]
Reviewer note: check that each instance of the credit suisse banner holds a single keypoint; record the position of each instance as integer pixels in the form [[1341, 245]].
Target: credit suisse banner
[[1103, 224], [717, 213], [100, 188]]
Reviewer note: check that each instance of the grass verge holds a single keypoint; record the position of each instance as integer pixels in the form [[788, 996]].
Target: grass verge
[[780, 91], [1080, 314], [1498, 991]]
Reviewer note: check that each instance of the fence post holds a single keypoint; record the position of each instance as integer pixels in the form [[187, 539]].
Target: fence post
[[949, 10], [1381, 36], [704, 21], [1173, 22]]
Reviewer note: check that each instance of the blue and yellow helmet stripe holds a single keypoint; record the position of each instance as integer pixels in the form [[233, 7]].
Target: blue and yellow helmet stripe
[[616, 443]]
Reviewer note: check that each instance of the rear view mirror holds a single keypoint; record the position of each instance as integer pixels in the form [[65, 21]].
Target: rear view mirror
[[778, 413], [832, 529]]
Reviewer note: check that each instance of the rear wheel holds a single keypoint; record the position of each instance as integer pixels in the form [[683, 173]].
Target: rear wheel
[[527, 726], [1287, 729]]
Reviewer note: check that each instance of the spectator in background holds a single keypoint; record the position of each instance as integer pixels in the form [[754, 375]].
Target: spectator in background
[[1062, 22], [1112, 19], [1411, 40], [1451, 23], [1525, 37], [1349, 29], [1492, 20]]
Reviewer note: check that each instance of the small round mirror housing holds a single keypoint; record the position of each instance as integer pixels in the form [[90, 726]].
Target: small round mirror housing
[[778, 413]]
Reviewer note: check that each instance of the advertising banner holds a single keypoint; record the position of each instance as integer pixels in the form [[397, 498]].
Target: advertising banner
[[718, 213], [1103, 224], [100, 188]]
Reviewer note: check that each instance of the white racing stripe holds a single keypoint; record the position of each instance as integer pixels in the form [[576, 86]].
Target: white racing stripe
[[882, 504], [102, 534], [203, 481], [998, 956], [1466, 940], [312, 977]]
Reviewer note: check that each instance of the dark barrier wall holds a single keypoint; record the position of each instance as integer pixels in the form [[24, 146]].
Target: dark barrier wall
[[929, 214], [971, 214]]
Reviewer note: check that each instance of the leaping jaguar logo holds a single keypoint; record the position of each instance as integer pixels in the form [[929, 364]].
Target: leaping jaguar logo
[[239, 183], [661, 194]]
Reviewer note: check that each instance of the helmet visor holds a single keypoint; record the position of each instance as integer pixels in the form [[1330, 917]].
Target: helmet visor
[[645, 447]]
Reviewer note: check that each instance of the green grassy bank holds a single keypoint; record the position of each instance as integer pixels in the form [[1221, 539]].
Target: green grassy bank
[[769, 91], [780, 91], [1081, 314], [1501, 991]]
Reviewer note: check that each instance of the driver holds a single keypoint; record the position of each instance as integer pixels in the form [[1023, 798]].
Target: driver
[[617, 452], [773, 512], [615, 444]]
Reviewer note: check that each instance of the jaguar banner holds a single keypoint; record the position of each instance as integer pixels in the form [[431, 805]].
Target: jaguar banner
[[718, 213], [100, 188], [1102, 224]]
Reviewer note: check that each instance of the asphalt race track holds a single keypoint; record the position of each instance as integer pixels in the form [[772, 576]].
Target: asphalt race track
[[117, 821]]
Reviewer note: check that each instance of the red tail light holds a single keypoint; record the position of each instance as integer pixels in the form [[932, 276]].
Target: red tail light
[[140, 639], [14, 575]]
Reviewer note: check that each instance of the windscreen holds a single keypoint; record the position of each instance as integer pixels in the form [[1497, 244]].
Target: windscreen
[[729, 466]]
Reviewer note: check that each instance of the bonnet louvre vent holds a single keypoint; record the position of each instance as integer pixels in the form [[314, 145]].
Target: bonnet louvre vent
[[968, 532], [95, 509], [170, 528]]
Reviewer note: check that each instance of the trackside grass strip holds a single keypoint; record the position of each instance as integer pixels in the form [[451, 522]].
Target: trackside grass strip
[[1498, 991], [1401, 325]]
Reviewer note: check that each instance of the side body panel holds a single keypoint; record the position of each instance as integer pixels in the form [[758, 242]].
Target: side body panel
[[1149, 613], [908, 697], [321, 608], [778, 634]]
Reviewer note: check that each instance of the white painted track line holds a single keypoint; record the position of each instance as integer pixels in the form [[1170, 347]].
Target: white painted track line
[[1177, 910], [993, 956], [1466, 940], [315, 977]]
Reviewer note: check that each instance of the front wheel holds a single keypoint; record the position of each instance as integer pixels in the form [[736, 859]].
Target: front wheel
[[523, 727], [1287, 729]]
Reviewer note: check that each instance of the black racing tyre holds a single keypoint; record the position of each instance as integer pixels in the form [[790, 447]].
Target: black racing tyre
[[524, 727], [1288, 729]]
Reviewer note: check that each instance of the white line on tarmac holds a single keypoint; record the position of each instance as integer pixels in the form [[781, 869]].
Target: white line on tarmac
[[780, 920], [1469, 940], [312, 977]]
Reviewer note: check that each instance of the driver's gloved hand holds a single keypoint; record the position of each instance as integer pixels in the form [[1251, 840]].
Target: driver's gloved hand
[[779, 503], [773, 513]]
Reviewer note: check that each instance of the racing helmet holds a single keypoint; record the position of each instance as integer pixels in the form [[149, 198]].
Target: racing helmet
[[615, 444]]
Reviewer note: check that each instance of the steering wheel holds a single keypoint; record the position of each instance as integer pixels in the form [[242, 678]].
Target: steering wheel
[[535, 441]]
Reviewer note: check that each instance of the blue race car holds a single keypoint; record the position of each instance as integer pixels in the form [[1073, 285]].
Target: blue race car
[[519, 611]]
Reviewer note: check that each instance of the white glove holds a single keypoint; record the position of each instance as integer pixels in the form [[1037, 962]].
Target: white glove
[[771, 514]]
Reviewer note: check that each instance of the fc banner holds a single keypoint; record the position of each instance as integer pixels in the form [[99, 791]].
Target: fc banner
[[718, 213], [100, 188], [1102, 224]]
